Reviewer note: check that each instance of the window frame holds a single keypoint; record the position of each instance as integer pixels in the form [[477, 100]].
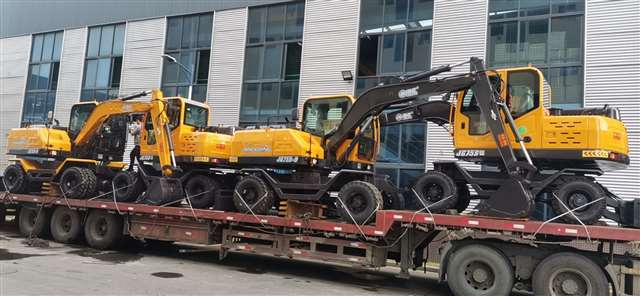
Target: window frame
[[282, 79], [548, 65], [197, 50], [112, 89], [47, 95]]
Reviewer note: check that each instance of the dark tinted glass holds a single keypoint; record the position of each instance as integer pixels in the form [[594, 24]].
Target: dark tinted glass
[[272, 61], [252, 62], [275, 23], [368, 60], [257, 25], [174, 30], [204, 30], [418, 51], [170, 74], [53, 83], [188, 60], [43, 76], [500, 9], [395, 12], [534, 7], [249, 108], [189, 31], [118, 39], [47, 47], [390, 144], [413, 144], [269, 97], [36, 48], [371, 16], [292, 61], [106, 40], [567, 6], [288, 97], [57, 46], [533, 41], [93, 46], [203, 66], [90, 74], [116, 70], [392, 53], [295, 21], [503, 43], [199, 93], [421, 10], [565, 41]]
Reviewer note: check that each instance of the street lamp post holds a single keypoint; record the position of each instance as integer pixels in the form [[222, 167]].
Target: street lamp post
[[189, 73]]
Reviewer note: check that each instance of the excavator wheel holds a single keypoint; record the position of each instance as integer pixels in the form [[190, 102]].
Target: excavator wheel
[[128, 186], [436, 191], [77, 182], [92, 182], [16, 179], [575, 191], [201, 191], [253, 195], [361, 199]]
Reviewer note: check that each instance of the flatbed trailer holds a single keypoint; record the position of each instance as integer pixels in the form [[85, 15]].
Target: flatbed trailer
[[477, 255]]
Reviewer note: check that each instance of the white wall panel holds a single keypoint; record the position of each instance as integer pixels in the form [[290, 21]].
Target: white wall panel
[[142, 61], [330, 44], [70, 75], [459, 32], [14, 63], [612, 76], [226, 65]]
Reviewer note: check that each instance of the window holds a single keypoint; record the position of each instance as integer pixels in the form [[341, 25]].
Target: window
[[548, 34], [395, 40], [189, 42], [322, 116], [195, 116], [42, 81], [103, 64], [272, 63]]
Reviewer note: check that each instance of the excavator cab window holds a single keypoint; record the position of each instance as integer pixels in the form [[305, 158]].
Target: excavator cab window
[[79, 115], [523, 93], [195, 116], [323, 115], [148, 126], [470, 108], [366, 144], [173, 112]]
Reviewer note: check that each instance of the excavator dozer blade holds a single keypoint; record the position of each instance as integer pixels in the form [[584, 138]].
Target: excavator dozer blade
[[162, 190], [511, 200]]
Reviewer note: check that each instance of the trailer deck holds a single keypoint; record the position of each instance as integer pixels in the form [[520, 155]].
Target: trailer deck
[[403, 236]]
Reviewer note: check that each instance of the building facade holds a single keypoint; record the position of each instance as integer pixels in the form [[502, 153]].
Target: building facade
[[255, 61]]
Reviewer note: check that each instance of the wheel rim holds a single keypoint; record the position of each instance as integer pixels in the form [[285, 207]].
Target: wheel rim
[[569, 282], [70, 181], [578, 199], [65, 223], [101, 227], [356, 203], [32, 218], [479, 275], [250, 195], [11, 176], [433, 192]]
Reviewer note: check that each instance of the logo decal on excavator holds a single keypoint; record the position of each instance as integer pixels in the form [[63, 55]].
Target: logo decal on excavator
[[404, 116], [409, 92], [257, 149]]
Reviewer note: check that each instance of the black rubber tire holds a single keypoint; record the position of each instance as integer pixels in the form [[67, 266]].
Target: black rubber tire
[[574, 191], [433, 187], [464, 197], [547, 278], [33, 221], [66, 225], [496, 279], [92, 183], [128, 186], [367, 199], [103, 230], [76, 182], [16, 179], [195, 187], [256, 193]]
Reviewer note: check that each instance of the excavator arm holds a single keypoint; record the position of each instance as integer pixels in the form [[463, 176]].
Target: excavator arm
[[122, 106]]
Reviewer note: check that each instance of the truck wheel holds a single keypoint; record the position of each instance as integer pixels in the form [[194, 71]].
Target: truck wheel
[[575, 191], [464, 197], [103, 230], [16, 179], [66, 225], [437, 191], [479, 270], [76, 182], [569, 274], [255, 193], [33, 221], [362, 200], [128, 186], [201, 190]]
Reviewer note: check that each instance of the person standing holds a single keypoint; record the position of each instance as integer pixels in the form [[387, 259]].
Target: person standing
[[134, 130]]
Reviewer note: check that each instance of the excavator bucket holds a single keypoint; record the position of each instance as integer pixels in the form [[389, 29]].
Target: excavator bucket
[[511, 200], [162, 190]]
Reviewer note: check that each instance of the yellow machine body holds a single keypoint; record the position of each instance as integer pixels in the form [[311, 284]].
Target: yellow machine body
[[305, 146], [38, 141], [596, 139], [191, 145]]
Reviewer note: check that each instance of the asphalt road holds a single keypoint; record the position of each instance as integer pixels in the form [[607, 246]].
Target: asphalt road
[[51, 268]]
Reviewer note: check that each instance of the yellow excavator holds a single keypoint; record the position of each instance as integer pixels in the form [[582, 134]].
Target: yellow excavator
[[529, 151], [85, 157], [540, 151]]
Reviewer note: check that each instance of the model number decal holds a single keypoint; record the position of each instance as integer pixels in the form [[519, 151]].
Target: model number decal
[[286, 159], [469, 153]]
